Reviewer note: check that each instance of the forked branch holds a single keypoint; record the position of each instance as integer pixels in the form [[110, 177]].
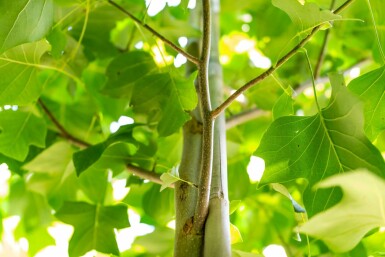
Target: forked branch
[[272, 69], [189, 57]]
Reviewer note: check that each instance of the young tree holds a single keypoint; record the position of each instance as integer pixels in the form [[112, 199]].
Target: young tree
[[179, 103]]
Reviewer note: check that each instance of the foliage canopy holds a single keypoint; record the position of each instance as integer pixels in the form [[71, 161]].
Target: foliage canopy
[[94, 97]]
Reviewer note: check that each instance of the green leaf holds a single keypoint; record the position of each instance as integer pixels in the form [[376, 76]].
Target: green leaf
[[235, 235], [238, 253], [85, 158], [316, 147], [125, 70], [361, 209], [101, 21], [157, 243], [58, 41], [39, 239], [168, 179], [51, 174], [173, 96], [283, 190], [305, 16], [182, 97], [284, 106], [18, 131], [371, 87], [24, 21], [159, 205], [52, 160], [97, 186], [94, 226], [18, 68], [234, 205]]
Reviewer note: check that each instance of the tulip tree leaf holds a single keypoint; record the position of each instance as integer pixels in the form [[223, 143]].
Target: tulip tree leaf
[[316, 147], [125, 70], [94, 226], [24, 21], [85, 158], [305, 16], [170, 95], [163, 95], [18, 68], [361, 209], [371, 87], [18, 131], [52, 172], [235, 235]]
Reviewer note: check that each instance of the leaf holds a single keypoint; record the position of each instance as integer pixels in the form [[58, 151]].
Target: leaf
[[316, 147], [157, 243], [234, 205], [168, 179], [361, 209], [182, 98], [85, 158], [18, 71], [39, 239], [235, 235], [24, 21], [94, 226], [283, 190], [305, 16], [101, 21], [52, 160], [125, 70], [159, 205], [18, 131], [238, 253], [371, 87], [284, 106], [97, 186], [173, 96], [51, 173]]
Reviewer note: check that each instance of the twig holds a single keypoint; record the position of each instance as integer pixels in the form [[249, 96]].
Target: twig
[[272, 69], [202, 207], [189, 57], [140, 172], [321, 56], [63, 132], [145, 174], [247, 115], [244, 117]]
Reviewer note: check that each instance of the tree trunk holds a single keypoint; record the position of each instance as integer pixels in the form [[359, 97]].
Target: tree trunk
[[217, 229], [187, 243], [216, 239]]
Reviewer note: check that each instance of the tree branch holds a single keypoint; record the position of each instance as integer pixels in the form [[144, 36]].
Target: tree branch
[[244, 117], [63, 132], [140, 172], [202, 207], [189, 57], [272, 69], [248, 115]]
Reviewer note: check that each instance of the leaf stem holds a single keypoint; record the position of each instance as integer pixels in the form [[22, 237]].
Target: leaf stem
[[272, 69], [189, 57], [312, 79], [202, 206], [321, 56]]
